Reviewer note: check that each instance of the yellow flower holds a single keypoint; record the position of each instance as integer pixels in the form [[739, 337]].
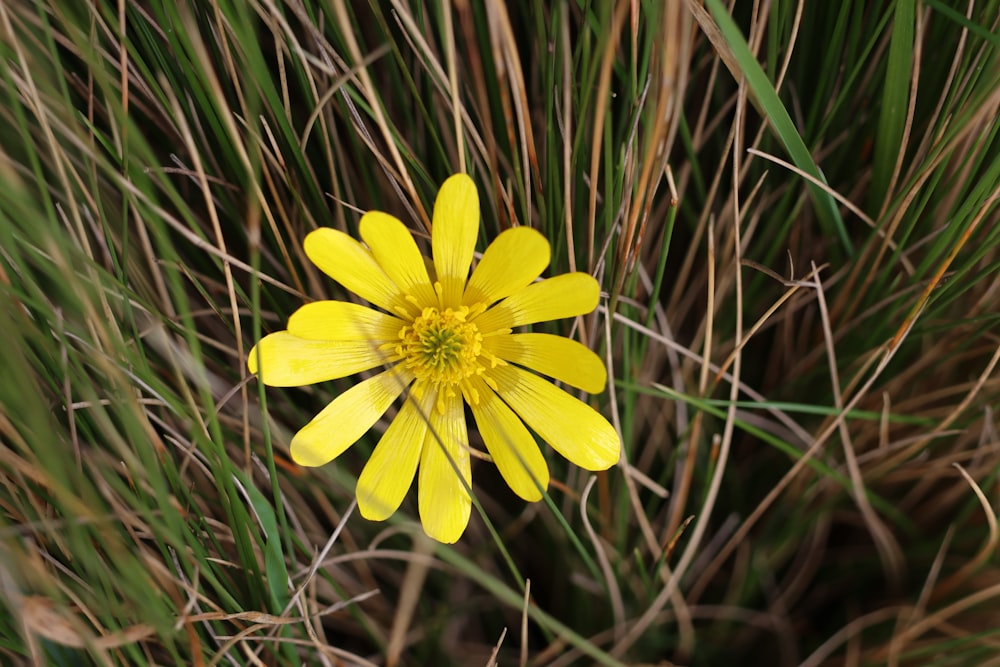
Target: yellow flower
[[443, 337]]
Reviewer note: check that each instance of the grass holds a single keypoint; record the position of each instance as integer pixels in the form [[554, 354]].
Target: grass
[[792, 209]]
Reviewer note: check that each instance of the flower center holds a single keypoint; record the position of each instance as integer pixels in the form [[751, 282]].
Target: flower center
[[441, 347]]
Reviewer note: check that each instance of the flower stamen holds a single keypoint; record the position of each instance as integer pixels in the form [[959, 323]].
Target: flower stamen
[[441, 347]]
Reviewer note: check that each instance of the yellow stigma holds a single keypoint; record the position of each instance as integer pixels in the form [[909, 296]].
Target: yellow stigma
[[441, 347]]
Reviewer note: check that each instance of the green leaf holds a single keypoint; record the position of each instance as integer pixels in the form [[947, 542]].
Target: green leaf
[[895, 95]]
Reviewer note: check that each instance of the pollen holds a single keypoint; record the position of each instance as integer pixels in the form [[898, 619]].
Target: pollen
[[441, 347]]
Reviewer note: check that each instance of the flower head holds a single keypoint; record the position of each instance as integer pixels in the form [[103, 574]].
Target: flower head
[[444, 339]]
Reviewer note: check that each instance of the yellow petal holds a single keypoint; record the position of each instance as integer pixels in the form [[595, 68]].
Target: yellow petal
[[353, 266], [290, 361], [397, 253], [560, 358], [571, 427], [389, 472], [515, 258], [453, 235], [567, 295], [512, 447], [445, 473], [346, 419], [341, 320]]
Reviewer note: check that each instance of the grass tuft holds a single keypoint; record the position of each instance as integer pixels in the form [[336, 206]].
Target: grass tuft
[[792, 209]]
